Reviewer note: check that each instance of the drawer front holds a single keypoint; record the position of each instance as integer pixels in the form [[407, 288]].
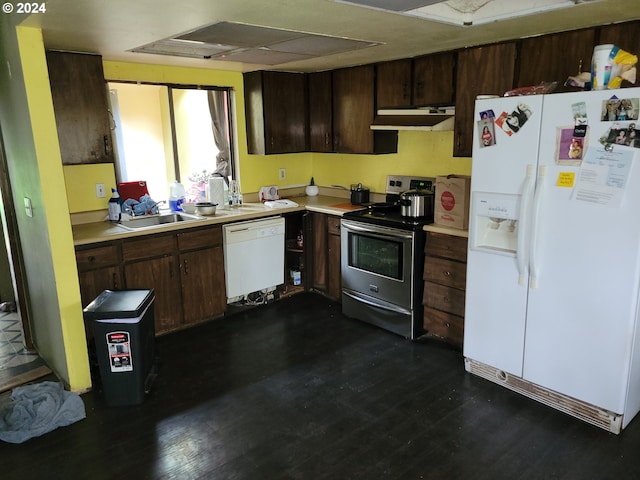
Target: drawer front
[[444, 325], [97, 257], [445, 272], [333, 225], [148, 247], [204, 238], [446, 299], [447, 246]]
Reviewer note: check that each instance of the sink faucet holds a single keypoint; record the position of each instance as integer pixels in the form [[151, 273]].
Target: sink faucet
[[154, 207]]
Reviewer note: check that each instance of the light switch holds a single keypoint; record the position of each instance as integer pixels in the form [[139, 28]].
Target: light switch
[[27, 207]]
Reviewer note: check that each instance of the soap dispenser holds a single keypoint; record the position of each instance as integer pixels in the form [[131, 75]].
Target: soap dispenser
[[115, 209]]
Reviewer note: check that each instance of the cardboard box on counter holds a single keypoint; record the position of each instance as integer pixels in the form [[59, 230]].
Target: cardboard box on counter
[[452, 201]]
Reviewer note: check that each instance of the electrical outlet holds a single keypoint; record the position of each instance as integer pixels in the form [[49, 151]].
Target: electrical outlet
[[283, 173], [100, 191]]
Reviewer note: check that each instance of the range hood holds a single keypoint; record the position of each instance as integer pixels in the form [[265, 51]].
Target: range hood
[[424, 119]]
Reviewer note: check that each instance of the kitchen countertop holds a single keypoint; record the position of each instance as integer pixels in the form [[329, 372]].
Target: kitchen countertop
[[95, 232]]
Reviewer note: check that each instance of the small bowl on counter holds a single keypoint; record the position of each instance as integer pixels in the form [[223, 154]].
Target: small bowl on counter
[[206, 208], [189, 207]]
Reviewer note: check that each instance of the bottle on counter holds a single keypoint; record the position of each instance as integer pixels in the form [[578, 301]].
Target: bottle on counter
[[115, 209], [176, 196]]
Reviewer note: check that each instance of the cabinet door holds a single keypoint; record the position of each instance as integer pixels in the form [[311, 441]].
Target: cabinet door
[[79, 94], [94, 282], [334, 274], [353, 112], [276, 110], [319, 246], [162, 275], [555, 57], [203, 289], [486, 70], [393, 84], [320, 112], [433, 81], [624, 35]]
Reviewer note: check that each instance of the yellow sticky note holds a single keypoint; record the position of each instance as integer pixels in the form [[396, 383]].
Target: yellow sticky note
[[566, 179]]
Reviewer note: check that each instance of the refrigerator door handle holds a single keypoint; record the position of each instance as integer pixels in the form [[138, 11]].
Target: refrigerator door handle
[[521, 254], [537, 201]]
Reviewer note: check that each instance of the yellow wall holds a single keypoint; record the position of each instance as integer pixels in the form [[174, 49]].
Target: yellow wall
[[30, 138], [423, 154], [419, 153], [80, 182]]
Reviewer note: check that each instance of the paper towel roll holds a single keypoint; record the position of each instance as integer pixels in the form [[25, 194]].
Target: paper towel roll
[[216, 191]]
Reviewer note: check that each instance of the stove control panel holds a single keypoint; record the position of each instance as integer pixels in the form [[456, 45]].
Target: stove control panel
[[396, 184]]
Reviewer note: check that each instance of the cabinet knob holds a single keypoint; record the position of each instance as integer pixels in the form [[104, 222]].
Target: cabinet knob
[[447, 273], [91, 258]]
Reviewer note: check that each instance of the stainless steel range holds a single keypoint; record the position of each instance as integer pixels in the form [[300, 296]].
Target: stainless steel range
[[382, 260]]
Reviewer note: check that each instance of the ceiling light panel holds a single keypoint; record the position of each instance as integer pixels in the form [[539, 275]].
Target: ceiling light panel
[[252, 44], [183, 49], [227, 33], [392, 5]]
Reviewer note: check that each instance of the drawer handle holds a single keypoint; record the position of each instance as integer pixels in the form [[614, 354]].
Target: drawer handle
[[447, 324], [115, 281], [92, 258], [447, 273], [447, 299]]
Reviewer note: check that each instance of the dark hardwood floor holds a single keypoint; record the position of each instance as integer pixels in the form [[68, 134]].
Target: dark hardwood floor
[[294, 390]]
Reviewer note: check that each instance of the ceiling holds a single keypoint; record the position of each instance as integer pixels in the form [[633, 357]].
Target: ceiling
[[113, 28]]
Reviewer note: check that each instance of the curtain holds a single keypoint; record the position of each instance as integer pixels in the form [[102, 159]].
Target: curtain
[[218, 110]]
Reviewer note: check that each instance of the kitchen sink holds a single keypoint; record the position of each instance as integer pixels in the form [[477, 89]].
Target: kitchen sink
[[150, 221]]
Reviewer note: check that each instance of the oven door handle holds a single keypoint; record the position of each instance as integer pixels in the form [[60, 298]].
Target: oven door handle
[[360, 298], [374, 231]]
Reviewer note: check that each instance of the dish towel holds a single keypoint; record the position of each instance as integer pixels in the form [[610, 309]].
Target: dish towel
[[33, 410]]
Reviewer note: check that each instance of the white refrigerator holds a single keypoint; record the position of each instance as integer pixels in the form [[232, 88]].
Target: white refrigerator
[[553, 271]]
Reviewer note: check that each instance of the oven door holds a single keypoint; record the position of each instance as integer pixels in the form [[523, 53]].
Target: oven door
[[377, 262]]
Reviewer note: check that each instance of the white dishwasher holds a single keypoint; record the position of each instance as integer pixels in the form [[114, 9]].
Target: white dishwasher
[[253, 256]]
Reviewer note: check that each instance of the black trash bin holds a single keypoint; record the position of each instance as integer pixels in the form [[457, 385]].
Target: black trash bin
[[124, 334]]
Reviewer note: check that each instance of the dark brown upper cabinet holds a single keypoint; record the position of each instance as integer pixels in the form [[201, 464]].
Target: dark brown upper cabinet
[[419, 82], [353, 112], [433, 80], [394, 84], [276, 112], [320, 112], [486, 70], [555, 57], [624, 35], [81, 107]]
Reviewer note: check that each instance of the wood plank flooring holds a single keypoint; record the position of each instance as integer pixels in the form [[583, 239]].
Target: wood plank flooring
[[294, 390]]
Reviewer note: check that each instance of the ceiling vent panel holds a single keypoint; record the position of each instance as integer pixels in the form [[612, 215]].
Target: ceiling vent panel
[[252, 44], [242, 35]]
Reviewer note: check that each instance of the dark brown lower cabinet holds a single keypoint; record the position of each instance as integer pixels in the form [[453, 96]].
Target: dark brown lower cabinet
[[185, 270], [202, 275], [326, 255], [445, 266], [99, 269], [151, 262]]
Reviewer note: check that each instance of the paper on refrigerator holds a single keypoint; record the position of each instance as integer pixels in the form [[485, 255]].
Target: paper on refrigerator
[[602, 178]]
